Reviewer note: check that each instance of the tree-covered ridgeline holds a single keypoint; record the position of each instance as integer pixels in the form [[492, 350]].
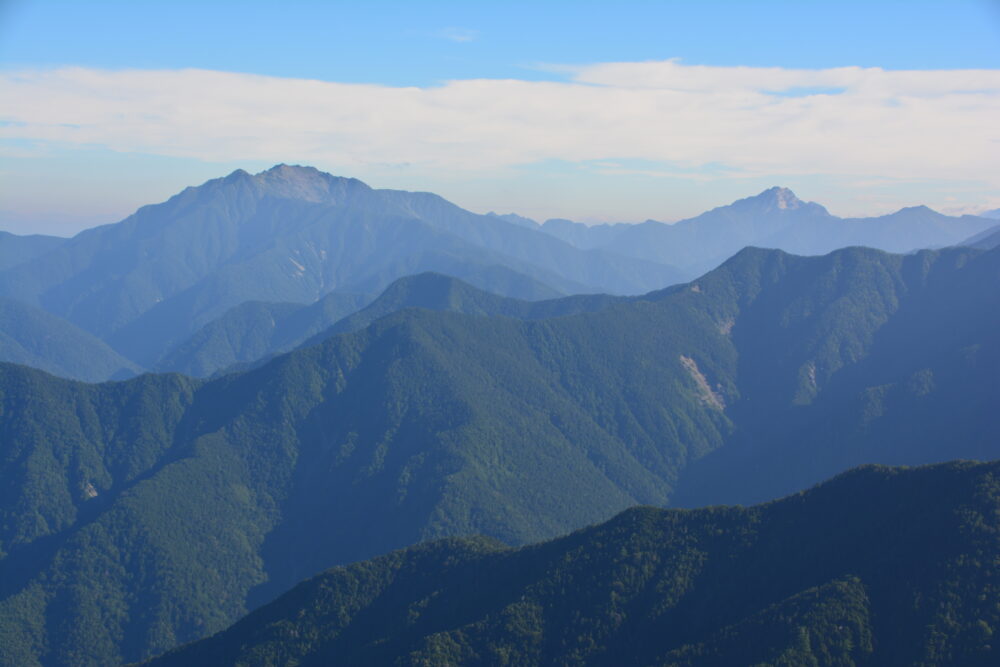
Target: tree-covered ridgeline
[[880, 566], [139, 515]]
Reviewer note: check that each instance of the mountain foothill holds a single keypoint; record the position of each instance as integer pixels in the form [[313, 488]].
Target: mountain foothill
[[207, 406]]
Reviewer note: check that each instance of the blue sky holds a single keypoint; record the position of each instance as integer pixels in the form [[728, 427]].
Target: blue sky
[[57, 181], [422, 43]]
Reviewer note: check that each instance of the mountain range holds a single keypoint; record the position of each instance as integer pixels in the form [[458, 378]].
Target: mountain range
[[775, 218], [879, 566], [254, 332], [199, 282], [290, 234], [143, 514]]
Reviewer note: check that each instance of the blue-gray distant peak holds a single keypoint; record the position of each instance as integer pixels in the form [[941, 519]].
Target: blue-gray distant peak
[[763, 215], [783, 198], [237, 175], [282, 181], [775, 199], [305, 183], [915, 215]]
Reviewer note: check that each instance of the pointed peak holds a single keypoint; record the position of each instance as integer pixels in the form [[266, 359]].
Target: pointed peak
[[772, 200], [781, 198], [237, 175]]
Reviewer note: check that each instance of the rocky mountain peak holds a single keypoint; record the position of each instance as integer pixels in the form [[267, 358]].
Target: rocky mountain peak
[[305, 183], [780, 198]]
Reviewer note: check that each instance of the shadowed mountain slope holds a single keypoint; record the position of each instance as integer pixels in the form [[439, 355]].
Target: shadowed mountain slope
[[33, 337], [984, 240], [879, 566], [434, 291], [254, 330], [143, 514]]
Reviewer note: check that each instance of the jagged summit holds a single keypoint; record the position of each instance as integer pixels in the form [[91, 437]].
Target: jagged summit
[[306, 183], [783, 198], [282, 181], [777, 201], [775, 198]]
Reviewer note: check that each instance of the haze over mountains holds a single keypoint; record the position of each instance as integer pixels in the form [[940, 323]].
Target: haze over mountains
[[341, 372], [16, 249], [775, 218], [187, 272], [290, 234], [151, 512], [985, 240]]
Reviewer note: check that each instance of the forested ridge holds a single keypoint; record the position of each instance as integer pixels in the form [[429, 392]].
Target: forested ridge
[[880, 566], [139, 515]]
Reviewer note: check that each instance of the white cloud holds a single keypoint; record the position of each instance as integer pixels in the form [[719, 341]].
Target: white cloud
[[938, 125], [673, 75]]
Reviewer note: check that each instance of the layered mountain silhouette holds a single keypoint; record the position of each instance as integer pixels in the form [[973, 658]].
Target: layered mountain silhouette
[[16, 249], [879, 566], [775, 218], [254, 332], [434, 291], [985, 240], [33, 337], [193, 283], [291, 234], [140, 515]]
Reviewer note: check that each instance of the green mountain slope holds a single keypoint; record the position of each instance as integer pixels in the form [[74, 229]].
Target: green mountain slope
[[775, 371], [254, 330], [864, 361], [434, 291], [36, 338], [879, 566], [383, 438]]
